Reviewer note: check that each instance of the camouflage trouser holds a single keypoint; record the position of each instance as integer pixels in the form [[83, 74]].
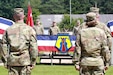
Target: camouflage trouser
[[92, 70], [19, 70]]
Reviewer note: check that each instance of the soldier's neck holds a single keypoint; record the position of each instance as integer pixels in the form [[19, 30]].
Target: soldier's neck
[[21, 21]]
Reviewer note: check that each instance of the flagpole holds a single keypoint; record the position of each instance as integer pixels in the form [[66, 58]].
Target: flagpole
[[96, 4], [70, 12], [28, 2]]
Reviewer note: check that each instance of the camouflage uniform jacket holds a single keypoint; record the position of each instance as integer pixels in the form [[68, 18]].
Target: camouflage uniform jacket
[[39, 29], [54, 30], [103, 27], [91, 47], [26, 53], [75, 30]]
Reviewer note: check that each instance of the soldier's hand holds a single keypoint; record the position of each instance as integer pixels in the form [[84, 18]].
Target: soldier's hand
[[31, 67], [106, 67], [5, 65], [77, 67]]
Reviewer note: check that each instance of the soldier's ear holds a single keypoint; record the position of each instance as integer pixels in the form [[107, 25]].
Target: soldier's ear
[[14, 16], [23, 16]]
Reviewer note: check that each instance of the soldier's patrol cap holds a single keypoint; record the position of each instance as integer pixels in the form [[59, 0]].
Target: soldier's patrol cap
[[91, 16], [18, 11], [37, 20], [94, 9], [54, 21]]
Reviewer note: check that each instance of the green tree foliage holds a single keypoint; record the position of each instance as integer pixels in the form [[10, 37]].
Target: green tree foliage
[[109, 7], [78, 6], [7, 6], [52, 7], [55, 6], [65, 24]]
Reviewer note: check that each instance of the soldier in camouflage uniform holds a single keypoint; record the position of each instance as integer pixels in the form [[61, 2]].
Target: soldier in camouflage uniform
[[91, 49], [102, 26], [19, 46], [39, 28], [54, 29], [95, 10], [76, 27]]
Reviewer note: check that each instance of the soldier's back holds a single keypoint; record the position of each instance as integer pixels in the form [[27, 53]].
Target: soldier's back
[[19, 37], [91, 40]]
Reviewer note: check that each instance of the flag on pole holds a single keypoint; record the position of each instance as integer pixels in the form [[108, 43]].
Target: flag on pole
[[110, 26], [29, 20]]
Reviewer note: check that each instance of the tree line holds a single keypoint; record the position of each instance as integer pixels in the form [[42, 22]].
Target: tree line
[[55, 6]]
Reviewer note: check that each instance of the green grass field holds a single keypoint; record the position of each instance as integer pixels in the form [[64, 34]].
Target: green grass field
[[54, 70]]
